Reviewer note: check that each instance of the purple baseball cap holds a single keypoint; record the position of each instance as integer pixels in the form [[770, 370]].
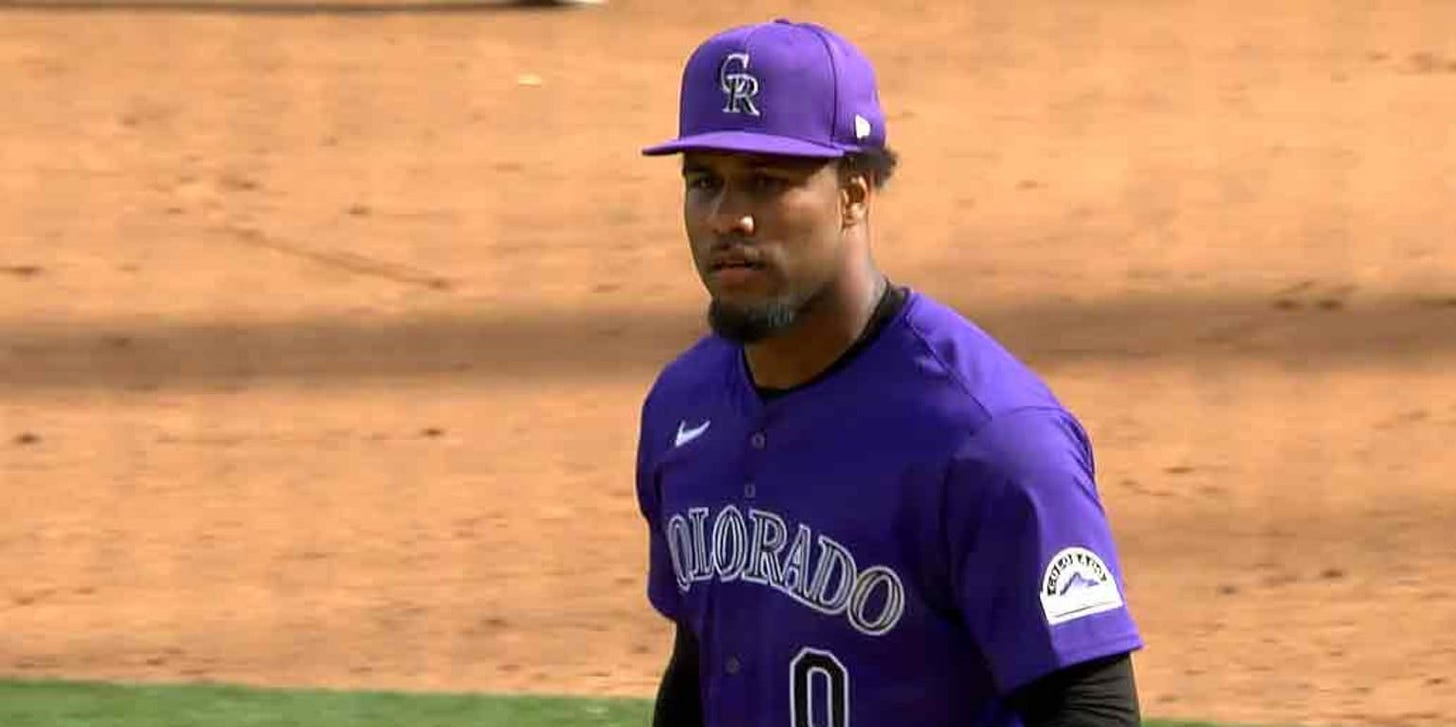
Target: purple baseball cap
[[795, 89]]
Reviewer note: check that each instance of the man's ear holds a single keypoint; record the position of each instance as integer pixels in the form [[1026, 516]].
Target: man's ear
[[855, 194]]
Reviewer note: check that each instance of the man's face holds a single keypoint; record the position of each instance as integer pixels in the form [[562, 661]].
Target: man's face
[[765, 234]]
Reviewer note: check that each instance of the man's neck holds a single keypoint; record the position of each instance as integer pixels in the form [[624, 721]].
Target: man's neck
[[823, 335]]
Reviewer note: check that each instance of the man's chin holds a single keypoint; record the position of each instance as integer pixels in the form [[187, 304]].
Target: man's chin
[[750, 322]]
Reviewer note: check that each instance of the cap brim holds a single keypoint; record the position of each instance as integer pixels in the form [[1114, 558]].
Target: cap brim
[[746, 142]]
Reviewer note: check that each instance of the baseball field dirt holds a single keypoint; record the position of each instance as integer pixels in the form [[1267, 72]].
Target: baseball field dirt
[[322, 334]]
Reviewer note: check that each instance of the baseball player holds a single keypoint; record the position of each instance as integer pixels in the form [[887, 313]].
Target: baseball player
[[862, 509]]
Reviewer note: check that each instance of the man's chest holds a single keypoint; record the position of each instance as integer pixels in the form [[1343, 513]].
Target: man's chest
[[814, 515]]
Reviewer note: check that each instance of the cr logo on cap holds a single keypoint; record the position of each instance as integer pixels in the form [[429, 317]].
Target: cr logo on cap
[[738, 85]]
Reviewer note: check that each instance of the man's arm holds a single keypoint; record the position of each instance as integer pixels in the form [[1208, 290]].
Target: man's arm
[[1099, 693], [679, 701]]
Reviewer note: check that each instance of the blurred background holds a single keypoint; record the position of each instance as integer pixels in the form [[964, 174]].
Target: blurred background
[[323, 329]]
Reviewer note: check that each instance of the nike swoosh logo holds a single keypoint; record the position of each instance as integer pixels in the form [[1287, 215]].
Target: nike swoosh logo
[[685, 435]]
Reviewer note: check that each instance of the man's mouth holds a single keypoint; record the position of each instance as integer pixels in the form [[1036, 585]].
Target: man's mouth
[[736, 272], [736, 265], [738, 259]]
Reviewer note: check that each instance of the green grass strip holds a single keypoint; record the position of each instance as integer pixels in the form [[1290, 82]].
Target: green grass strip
[[89, 704], [97, 704]]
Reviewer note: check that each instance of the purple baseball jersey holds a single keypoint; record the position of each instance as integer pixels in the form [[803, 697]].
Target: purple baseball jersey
[[899, 542]]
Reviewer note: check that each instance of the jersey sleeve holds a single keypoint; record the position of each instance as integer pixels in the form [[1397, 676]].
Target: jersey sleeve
[[1036, 574], [662, 590]]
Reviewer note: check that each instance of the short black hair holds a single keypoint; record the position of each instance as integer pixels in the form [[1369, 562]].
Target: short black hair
[[878, 162]]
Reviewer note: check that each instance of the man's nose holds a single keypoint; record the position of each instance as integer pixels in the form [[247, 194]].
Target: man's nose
[[731, 214]]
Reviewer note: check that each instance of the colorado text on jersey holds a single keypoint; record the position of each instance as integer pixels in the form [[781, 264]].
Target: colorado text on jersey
[[815, 571]]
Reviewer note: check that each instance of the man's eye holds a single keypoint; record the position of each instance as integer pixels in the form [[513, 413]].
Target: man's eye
[[767, 183], [702, 182]]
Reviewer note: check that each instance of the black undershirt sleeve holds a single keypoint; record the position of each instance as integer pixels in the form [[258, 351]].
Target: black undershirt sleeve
[[679, 700], [1099, 693]]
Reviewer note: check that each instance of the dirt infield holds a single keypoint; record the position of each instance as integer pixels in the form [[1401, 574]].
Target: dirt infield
[[322, 335]]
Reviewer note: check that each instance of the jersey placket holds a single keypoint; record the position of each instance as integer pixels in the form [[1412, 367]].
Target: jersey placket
[[737, 666]]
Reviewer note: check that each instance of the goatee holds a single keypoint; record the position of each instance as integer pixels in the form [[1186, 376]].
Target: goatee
[[750, 324]]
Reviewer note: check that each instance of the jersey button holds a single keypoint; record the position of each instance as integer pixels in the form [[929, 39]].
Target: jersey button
[[758, 440], [732, 665], [750, 490]]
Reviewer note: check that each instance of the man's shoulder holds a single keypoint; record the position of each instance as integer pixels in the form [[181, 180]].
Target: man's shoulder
[[705, 363], [934, 318], [949, 344], [1016, 423]]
